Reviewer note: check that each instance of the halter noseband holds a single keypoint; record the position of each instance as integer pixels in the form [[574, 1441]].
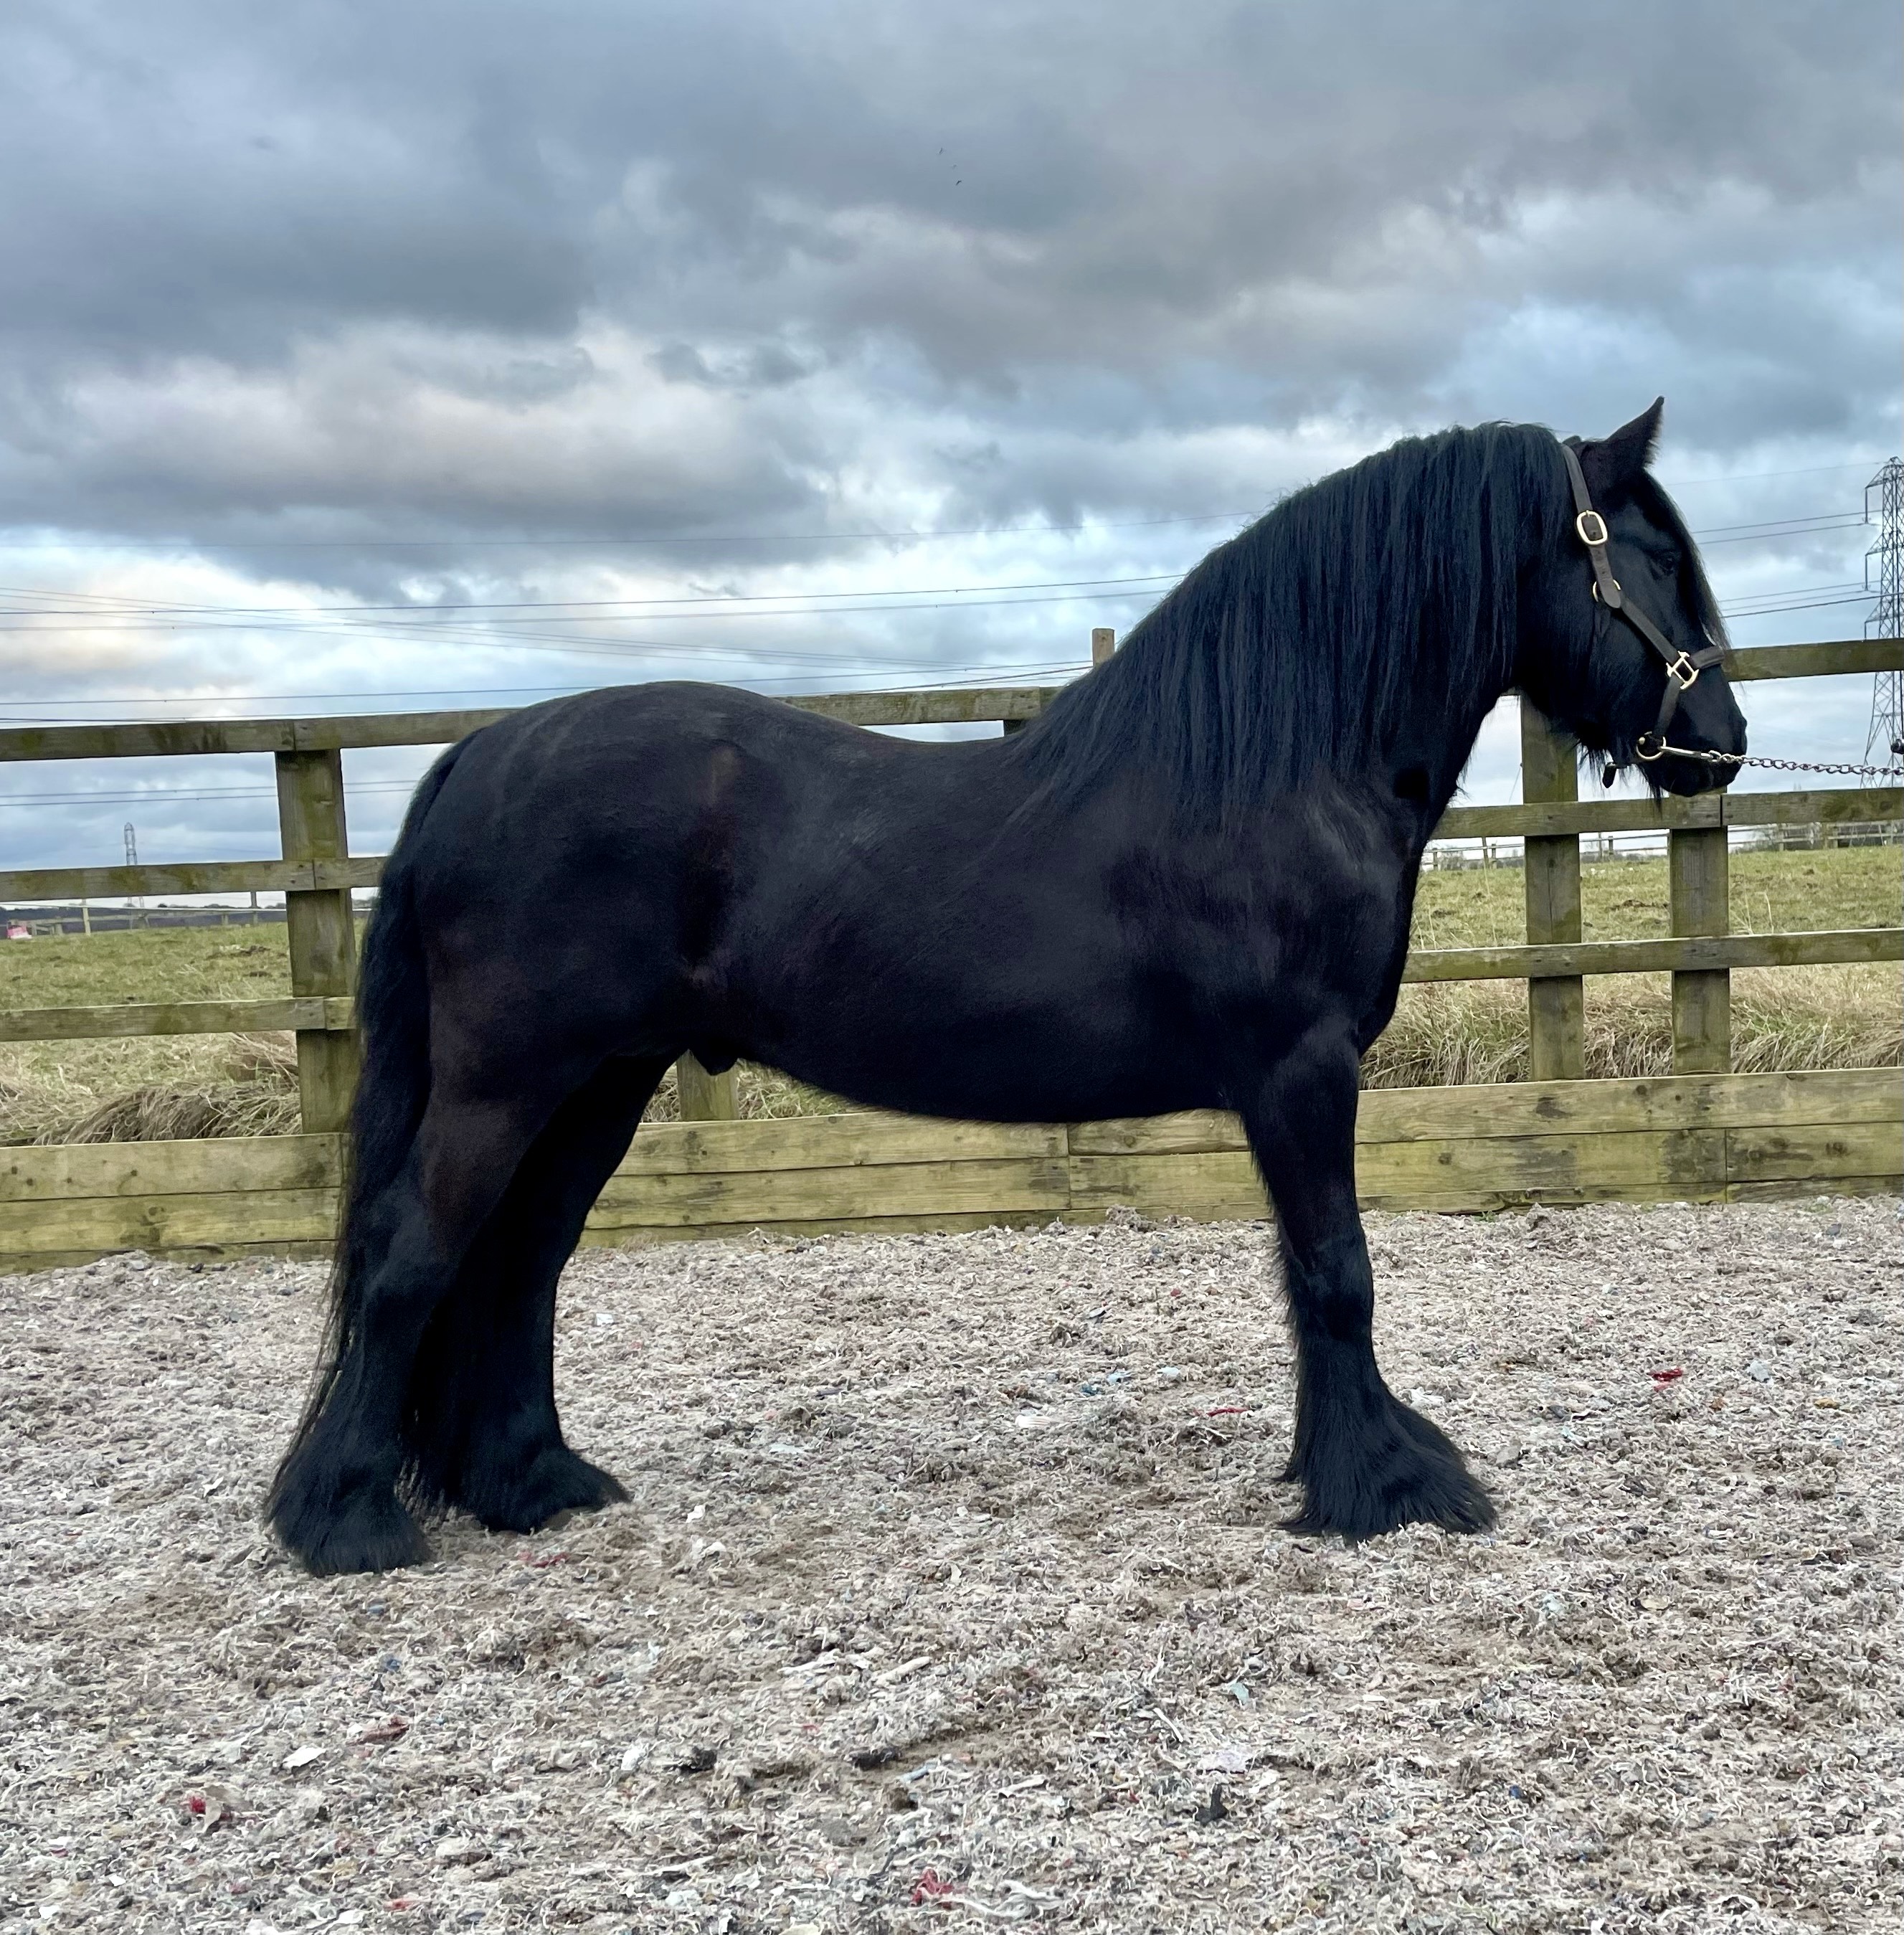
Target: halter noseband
[[1682, 669]]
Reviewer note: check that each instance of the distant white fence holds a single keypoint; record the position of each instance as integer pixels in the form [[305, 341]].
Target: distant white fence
[[1456, 855]]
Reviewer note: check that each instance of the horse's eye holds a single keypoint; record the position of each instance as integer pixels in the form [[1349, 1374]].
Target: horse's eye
[[1666, 563]]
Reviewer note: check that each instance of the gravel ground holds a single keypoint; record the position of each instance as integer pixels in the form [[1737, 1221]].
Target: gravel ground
[[951, 1596]]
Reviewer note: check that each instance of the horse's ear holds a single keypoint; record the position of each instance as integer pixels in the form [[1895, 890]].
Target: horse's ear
[[1612, 464], [1616, 461]]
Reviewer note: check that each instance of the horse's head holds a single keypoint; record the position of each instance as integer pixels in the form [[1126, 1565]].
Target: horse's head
[[1621, 642]]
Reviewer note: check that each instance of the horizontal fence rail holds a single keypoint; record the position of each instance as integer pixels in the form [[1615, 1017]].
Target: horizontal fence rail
[[185, 738], [203, 877], [1514, 961], [1828, 658], [1675, 954], [1715, 1138], [332, 1013], [1823, 807]]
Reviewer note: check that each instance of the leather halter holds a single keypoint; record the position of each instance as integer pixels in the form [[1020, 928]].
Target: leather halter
[[1682, 669]]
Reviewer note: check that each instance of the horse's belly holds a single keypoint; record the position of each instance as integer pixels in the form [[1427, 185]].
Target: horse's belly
[[1066, 1061]]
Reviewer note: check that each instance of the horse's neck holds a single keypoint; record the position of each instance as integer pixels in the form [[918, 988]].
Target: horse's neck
[[1444, 725]]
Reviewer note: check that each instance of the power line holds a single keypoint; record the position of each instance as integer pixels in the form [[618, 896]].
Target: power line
[[1774, 526], [347, 619], [953, 678], [1795, 530], [171, 607], [344, 622], [1773, 611], [1762, 604], [625, 650], [344, 626], [1752, 476]]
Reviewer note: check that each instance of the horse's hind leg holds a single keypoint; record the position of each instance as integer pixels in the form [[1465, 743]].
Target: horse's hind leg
[[335, 1502], [482, 1431], [1367, 1463]]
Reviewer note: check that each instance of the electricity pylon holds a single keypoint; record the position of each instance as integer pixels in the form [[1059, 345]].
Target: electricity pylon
[[1886, 738]]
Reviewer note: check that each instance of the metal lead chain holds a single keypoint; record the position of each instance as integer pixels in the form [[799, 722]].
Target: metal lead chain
[[1799, 766], [1780, 765]]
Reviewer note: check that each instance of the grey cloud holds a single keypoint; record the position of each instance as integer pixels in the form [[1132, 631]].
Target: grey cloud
[[1012, 258], [479, 166], [763, 366]]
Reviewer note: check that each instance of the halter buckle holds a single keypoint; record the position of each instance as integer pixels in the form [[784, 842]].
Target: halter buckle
[[1683, 672], [1586, 523], [1658, 744]]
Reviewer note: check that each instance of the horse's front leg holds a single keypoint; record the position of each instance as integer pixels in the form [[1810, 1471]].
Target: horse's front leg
[[1366, 1462]]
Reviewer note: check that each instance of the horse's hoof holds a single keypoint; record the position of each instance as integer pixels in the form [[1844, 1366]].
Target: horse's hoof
[[1401, 1470], [369, 1530], [554, 1482]]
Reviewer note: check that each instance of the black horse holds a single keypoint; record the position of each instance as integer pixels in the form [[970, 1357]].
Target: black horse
[[1187, 885]]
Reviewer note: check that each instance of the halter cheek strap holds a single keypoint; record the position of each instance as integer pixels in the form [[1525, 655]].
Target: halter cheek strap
[[1682, 669]]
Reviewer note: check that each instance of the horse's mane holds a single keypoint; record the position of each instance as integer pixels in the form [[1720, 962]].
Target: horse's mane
[[1307, 640]]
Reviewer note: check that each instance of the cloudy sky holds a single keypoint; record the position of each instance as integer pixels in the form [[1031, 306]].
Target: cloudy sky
[[360, 356]]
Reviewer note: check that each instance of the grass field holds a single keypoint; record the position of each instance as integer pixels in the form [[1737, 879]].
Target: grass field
[[1626, 900], [1474, 1031]]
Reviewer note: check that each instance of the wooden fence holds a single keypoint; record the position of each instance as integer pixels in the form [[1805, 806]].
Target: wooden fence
[[1700, 1132]]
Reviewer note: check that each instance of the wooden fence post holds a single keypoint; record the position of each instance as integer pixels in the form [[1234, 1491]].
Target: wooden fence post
[[703, 1097], [1103, 643], [1698, 873], [322, 931], [1556, 1005]]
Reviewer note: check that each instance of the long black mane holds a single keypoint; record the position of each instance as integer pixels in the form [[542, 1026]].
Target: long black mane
[[1307, 641]]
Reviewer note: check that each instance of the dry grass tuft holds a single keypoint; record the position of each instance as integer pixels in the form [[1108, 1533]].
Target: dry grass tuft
[[246, 1086], [1462, 1032], [762, 1095]]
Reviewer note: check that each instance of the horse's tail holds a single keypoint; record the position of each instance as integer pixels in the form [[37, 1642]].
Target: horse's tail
[[393, 1088]]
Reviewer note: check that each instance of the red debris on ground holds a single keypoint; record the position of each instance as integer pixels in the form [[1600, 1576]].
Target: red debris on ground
[[930, 1885], [1227, 1410], [1666, 1377], [542, 1561], [379, 1731]]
